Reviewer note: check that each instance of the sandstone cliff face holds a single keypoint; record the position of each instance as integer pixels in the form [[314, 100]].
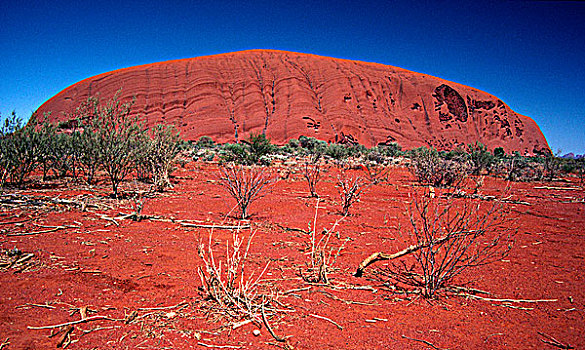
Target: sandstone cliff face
[[286, 95]]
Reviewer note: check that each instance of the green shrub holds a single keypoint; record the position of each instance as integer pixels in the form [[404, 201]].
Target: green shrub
[[293, 143], [312, 145], [429, 168], [391, 150], [291, 147], [259, 147], [519, 168], [46, 140], [251, 151], [205, 142], [499, 152], [357, 150], [234, 152], [337, 151], [481, 158], [19, 151], [552, 166]]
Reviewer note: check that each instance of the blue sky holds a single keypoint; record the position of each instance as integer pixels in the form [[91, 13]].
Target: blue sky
[[530, 54]]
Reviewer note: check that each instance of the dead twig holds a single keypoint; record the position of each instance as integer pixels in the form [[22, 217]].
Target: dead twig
[[265, 321], [557, 188], [15, 222], [241, 324], [508, 300], [5, 343], [292, 229], [93, 318], [296, 290], [131, 317], [47, 306], [64, 336], [423, 341], [554, 342], [164, 307], [218, 346], [327, 319], [348, 302], [98, 329]]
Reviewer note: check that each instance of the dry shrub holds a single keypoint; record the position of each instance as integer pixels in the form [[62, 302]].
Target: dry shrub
[[158, 155], [375, 174], [228, 287], [322, 255], [350, 189], [244, 183], [453, 235], [312, 173]]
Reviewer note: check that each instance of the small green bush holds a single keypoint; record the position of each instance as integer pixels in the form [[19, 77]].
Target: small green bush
[[337, 151], [390, 150], [429, 168], [499, 152], [252, 151], [205, 142]]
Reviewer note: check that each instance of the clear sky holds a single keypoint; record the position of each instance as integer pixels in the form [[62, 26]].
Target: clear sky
[[530, 54]]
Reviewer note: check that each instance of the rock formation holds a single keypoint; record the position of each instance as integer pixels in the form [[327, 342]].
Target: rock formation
[[285, 95]]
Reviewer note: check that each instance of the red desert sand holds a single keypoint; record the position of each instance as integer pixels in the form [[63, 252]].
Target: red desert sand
[[120, 283]]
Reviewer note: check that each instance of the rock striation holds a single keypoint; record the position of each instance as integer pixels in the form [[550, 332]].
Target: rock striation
[[286, 95]]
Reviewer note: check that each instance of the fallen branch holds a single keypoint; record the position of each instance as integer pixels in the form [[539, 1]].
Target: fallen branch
[[134, 216], [163, 307], [93, 318], [98, 329], [422, 341], [379, 256], [557, 188], [327, 319], [508, 300], [509, 306], [5, 343], [105, 217], [225, 227], [56, 228]]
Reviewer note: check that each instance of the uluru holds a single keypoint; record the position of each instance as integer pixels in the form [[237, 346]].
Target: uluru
[[285, 95]]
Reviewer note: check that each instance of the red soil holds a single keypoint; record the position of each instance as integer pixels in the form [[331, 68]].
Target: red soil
[[289, 94], [149, 264]]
